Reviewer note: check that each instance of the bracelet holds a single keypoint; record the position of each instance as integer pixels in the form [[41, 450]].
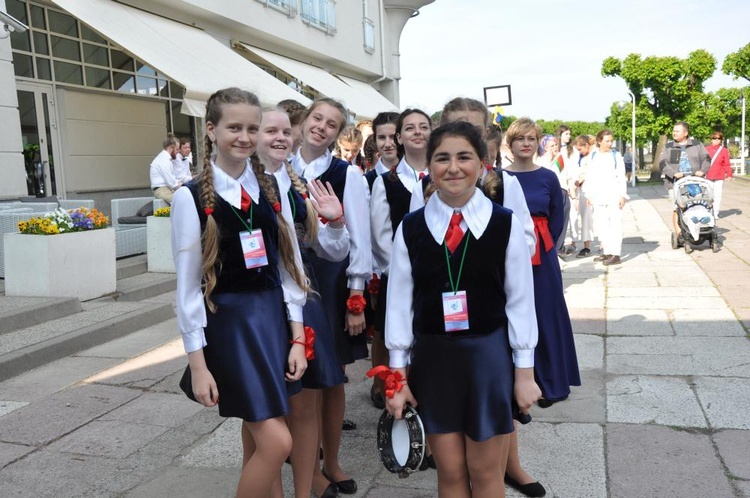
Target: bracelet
[[309, 343], [374, 286], [356, 304], [394, 381], [340, 219]]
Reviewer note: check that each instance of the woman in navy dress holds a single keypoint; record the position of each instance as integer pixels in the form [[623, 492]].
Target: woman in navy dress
[[556, 364], [458, 317], [239, 289]]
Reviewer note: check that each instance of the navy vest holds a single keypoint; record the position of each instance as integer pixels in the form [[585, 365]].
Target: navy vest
[[231, 274], [336, 175], [398, 198], [371, 176], [483, 276]]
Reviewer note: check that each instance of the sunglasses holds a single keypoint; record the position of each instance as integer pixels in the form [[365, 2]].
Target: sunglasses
[[715, 138]]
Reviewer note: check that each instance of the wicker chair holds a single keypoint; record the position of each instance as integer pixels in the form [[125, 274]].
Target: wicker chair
[[129, 239], [9, 219]]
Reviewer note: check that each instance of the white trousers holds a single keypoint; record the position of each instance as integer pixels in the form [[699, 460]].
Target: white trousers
[[608, 227], [584, 209], [718, 189]]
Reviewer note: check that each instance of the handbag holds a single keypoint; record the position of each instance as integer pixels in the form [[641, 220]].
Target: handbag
[[186, 384]]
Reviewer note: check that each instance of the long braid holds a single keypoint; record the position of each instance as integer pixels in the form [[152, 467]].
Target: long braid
[[491, 182], [210, 235], [286, 247], [311, 223]]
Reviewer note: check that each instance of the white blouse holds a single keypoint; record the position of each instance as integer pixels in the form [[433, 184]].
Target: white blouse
[[519, 282], [332, 243], [513, 199], [380, 214], [186, 250], [356, 216]]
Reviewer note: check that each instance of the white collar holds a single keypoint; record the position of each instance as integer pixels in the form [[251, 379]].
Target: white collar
[[229, 188], [282, 178], [314, 168], [381, 168], [476, 214]]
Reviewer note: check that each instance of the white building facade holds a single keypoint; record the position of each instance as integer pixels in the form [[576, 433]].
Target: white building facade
[[90, 90]]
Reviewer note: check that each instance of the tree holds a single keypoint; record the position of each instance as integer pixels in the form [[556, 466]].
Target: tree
[[666, 86], [720, 110], [737, 64]]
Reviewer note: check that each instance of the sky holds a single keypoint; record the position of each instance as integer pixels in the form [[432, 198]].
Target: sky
[[551, 51]]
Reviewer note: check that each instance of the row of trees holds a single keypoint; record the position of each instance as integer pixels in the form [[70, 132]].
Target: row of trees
[[669, 89]]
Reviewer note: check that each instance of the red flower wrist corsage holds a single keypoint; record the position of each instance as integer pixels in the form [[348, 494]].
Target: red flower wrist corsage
[[276, 207], [309, 343], [356, 304], [374, 286], [394, 381]]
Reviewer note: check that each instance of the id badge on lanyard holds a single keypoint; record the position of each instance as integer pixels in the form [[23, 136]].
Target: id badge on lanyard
[[455, 311], [254, 249]]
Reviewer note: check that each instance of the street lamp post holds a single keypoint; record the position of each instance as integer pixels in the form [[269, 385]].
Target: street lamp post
[[633, 148], [742, 139]]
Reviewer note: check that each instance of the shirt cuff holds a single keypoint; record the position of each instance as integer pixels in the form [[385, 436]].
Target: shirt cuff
[[399, 358], [294, 313], [336, 233], [523, 358], [356, 283], [194, 340]]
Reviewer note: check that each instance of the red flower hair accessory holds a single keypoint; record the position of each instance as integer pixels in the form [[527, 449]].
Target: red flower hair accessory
[[208, 211], [394, 381], [309, 343], [304, 196], [277, 207], [356, 304]]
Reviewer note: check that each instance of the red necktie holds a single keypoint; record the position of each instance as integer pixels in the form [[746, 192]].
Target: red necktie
[[245, 202], [454, 234], [421, 175]]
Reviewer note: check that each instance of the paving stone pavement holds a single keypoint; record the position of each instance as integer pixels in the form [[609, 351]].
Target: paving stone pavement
[[663, 410]]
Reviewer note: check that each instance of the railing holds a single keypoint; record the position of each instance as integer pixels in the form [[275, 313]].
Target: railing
[[288, 7]]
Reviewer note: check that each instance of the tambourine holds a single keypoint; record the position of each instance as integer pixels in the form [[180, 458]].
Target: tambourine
[[401, 442]]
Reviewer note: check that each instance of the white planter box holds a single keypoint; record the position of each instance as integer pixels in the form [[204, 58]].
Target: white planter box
[[78, 264], [159, 248]]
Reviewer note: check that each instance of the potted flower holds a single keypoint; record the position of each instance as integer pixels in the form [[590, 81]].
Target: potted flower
[[159, 240], [61, 254]]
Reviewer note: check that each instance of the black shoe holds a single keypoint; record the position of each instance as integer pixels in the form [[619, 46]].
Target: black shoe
[[584, 253], [348, 425], [533, 489], [346, 379], [331, 492], [428, 463], [348, 487], [377, 399]]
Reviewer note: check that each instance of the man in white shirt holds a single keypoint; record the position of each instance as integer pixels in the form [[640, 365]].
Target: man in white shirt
[[182, 162], [163, 181]]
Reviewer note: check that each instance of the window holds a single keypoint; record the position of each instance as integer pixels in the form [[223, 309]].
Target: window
[[289, 7], [59, 48], [320, 14], [369, 28]]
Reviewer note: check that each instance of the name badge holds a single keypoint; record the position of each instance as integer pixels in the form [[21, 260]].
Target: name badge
[[254, 249], [455, 311]]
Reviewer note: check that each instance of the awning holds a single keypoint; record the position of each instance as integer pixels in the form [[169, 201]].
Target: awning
[[187, 55], [360, 98]]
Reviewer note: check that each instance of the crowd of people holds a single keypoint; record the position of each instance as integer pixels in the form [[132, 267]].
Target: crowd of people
[[303, 236]]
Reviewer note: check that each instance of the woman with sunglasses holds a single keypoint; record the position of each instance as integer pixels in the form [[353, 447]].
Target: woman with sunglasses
[[720, 169]]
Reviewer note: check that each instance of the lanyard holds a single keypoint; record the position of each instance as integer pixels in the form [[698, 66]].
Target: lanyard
[[293, 204], [249, 228], [454, 287]]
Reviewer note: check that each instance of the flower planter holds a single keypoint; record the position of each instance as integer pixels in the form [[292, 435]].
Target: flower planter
[[159, 244], [78, 264]]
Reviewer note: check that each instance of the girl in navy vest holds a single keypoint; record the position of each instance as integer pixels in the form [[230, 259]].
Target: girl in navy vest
[[556, 364], [461, 320], [340, 284], [236, 270], [301, 207]]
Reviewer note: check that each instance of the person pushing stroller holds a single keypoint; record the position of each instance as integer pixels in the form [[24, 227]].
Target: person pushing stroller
[[682, 156]]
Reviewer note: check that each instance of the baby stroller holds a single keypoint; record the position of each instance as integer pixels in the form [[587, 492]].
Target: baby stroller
[[694, 196]]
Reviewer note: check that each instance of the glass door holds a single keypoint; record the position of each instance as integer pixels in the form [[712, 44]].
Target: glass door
[[39, 134]]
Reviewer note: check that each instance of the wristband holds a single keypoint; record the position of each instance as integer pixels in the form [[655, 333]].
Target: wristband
[[356, 304], [309, 343], [394, 381]]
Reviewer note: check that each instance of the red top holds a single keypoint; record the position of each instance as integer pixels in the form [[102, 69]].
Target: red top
[[720, 168]]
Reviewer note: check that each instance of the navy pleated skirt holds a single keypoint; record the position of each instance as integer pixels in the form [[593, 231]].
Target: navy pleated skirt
[[247, 353], [332, 286], [464, 384], [380, 306]]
